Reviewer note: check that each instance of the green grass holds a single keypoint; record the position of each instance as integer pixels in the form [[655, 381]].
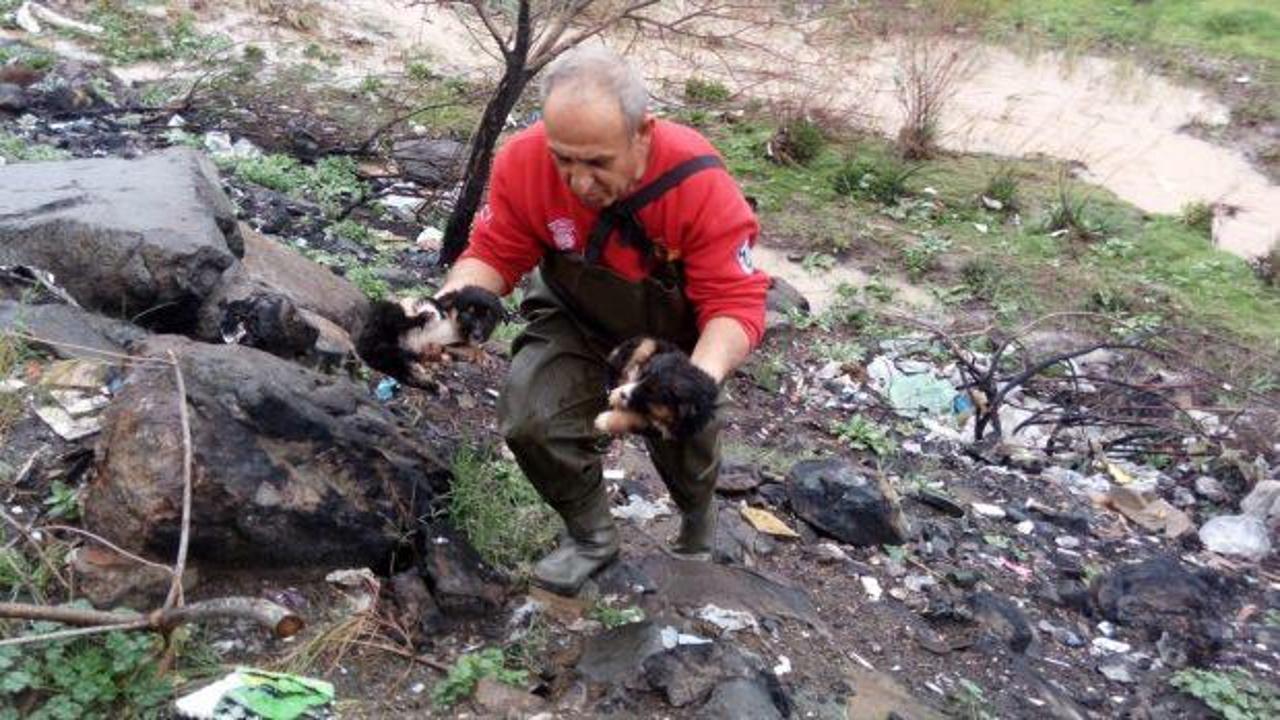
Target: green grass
[[1238, 28], [15, 149], [1234, 695], [130, 35], [502, 515], [366, 278], [331, 183], [860, 433]]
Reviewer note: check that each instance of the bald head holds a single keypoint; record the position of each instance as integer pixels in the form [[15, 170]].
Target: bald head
[[598, 73]]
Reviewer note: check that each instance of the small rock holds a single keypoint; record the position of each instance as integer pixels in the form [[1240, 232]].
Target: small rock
[[872, 587], [1003, 619], [988, 510], [1263, 502], [1069, 542], [964, 578], [502, 700], [109, 580], [1026, 527], [940, 502], [616, 655], [741, 698], [829, 552], [1183, 497], [1117, 668], [736, 478], [1159, 595], [1243, 536], [432, 162], [13, 98], [688, 673], [1210, 488], [1103, 646]]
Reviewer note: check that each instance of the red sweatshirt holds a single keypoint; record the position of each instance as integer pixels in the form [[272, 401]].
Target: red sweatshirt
[[704, 221]]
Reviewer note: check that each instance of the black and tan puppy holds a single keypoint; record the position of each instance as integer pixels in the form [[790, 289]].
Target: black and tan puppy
[[399, 335], [655, 388]]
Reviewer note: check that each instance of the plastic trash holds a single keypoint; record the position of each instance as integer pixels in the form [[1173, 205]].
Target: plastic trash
[[386, 389], [911, 387], [256, 694]]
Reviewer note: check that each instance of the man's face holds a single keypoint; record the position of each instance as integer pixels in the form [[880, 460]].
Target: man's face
[[597, 156]]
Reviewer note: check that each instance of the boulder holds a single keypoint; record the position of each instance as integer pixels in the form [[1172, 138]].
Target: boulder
[[276, 300], [71, 332], [1162, 598], [291, 467], [147, 237], [432, 162], [1263, 502], [845, 504]]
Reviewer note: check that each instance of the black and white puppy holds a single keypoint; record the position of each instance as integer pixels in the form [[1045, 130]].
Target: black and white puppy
[[399, 335], [655, 388]]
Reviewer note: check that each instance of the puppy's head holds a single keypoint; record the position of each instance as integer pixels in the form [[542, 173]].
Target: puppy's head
[[627, 362], [474, 311]]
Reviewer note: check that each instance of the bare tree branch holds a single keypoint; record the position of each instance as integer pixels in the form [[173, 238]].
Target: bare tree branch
[[175, 598]]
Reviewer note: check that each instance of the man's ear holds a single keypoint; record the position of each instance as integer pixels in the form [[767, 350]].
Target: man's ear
[[644, 133]]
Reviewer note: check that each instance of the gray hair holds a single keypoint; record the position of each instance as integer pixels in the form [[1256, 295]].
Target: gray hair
[[600, 68]]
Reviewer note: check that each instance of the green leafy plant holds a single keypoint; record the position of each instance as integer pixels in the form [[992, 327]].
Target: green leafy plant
[[881, 179], [63, 501], [768, 370], [841, 351], [922, 256], [818, 262], [1199, 217], [1234, 694], [799, 141], [461, 681], [111, 675], [502, 515], [860, 433], [367, 279], [704, 91], [612, 617], [1003, 188], [970, 701], [16, 149], [331, 182], [351, 231]]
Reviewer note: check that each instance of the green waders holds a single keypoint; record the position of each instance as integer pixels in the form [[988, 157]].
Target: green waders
[[578, 312]]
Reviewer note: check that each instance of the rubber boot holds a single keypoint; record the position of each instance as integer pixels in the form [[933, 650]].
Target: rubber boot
[[697, 535], [589, 543]]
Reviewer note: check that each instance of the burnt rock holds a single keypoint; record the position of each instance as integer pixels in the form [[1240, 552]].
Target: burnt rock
[[1000, 617], [290, 467], [415, 609], [686, 674], [13, 99], [1161, 595], [276, 300], [757, 698], [460, 581], [432, 162], [124, 237], [845, 504], [617, 655]]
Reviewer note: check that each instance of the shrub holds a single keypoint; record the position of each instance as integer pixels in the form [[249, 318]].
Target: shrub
[[461, 681], [1198, 216], [706, 92], [883, 180], [1003, 188], [798, 141]]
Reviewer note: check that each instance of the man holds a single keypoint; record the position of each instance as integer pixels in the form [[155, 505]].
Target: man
[[636, 229]]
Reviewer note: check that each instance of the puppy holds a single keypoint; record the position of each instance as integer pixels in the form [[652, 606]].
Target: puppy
[[656, 390], [398, 336]]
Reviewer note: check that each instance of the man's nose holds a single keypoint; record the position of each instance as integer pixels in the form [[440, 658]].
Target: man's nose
[[580, 181]]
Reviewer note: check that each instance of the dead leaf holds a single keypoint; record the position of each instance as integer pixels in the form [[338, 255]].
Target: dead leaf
[[768, 523], [1118, 474]]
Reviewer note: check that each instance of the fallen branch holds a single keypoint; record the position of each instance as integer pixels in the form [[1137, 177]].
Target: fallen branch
[[175, 598], [279, 619]]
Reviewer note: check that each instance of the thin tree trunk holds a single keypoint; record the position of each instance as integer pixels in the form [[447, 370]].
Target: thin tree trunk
[[514, 79]]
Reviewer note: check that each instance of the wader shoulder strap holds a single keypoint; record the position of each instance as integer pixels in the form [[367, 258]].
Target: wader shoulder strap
[[621, 216]]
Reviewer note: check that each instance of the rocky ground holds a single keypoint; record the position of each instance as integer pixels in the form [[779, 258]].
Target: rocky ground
[[1102, 538]]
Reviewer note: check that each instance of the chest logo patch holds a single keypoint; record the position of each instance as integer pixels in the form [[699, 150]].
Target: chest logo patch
[[563, 234], [744, 258]]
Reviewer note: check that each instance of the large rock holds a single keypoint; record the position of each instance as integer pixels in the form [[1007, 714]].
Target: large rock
[[70, 331], [276, 300], [291, 467], [845, 504], [126, 237], [430, 162], [1163, 599]]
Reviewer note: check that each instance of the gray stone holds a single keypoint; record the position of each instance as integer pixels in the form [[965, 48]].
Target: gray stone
[[460, 581], [12, 98], [686, 674], [71, 332], [845, 504], [126, 237], [686, 583], [1002, 618], [616, 656], [1263, 502], [741, 699], [1244, 536], [291, 467], [1161, 595], [1209, 488], [432, 162]]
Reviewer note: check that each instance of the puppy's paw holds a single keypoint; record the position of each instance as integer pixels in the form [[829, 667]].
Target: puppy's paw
[[620, 422]]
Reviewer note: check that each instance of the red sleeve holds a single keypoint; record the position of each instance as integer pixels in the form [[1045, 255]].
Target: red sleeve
[[501, 236], [720, 278]]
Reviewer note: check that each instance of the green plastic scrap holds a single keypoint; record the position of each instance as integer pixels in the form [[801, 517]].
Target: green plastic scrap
[[276, 696]]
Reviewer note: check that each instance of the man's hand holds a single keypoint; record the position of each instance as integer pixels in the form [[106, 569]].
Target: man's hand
[[475, 311]]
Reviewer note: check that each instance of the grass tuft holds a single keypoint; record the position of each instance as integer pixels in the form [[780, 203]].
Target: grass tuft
[[502, 515]]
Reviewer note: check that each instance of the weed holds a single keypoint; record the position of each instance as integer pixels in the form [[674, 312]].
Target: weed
[[799, 141], [818, 262], [129, 35], [879, 291], [1199, 217], [841, 351], [331, 182], [301, 15], [612, 617], [313, 51], [921, 257], [883, 180], [351, 231], [1235, 695], [1002, 187], [370, 283], [929, 71], [705, 92], [502, 515], [860, 433], [970, 701], [461, 681], [1267, 266], [769, 370], [14, 148], [63, 501], [1075, 215], [111, 675]]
